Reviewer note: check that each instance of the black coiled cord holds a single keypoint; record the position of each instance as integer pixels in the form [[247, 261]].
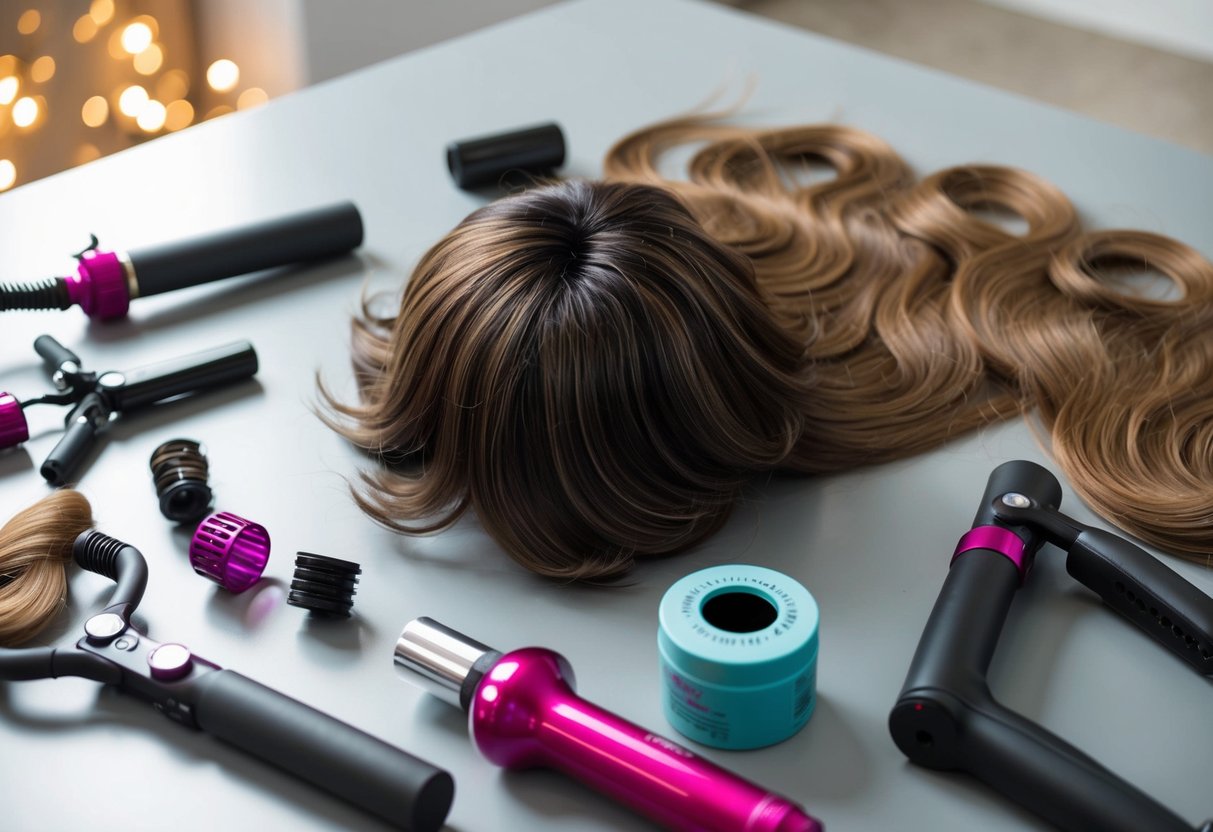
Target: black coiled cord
[[45, 294]]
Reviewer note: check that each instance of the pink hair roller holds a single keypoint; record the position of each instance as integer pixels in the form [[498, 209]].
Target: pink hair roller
[[230, 551]]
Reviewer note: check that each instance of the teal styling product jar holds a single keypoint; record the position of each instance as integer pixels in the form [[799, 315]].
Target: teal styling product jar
[[738, 648]]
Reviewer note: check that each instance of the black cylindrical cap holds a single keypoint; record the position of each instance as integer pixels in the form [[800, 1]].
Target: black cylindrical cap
[[537, 150]]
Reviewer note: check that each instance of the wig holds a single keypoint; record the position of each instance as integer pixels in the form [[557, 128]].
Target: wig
[[35, 547], [598, 369]]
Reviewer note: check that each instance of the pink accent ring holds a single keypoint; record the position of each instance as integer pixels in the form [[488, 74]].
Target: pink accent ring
[[996, 539], [13, 428], [230, 551], [99, 285]]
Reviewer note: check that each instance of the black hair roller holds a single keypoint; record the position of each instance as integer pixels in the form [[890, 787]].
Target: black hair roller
[[180, 470], [324, 585], [485, 160]]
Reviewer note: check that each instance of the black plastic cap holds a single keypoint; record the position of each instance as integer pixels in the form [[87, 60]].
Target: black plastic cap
[[484, 160]]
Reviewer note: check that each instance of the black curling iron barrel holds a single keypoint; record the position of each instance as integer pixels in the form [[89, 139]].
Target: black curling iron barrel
[[107, 281], [947, 718]]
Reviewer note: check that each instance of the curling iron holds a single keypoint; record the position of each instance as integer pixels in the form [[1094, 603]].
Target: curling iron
[[96, 398], [106, 282], [379, 778], [946, 717], [523, 713]]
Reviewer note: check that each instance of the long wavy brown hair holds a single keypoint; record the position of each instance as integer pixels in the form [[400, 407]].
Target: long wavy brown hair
[[597, 369]]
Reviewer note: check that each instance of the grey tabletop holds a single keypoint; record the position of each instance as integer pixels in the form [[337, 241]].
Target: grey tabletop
[[872, 545]]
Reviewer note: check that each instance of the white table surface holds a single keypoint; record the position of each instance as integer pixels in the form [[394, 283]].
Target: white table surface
[[872, 545]]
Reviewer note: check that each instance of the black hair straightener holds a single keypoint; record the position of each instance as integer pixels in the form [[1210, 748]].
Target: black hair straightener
[[946, 717]]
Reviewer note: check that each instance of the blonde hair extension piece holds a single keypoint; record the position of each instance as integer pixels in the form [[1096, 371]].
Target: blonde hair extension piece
[[35, 548]]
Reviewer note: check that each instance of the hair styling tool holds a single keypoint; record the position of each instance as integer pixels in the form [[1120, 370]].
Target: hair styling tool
[[324, 586], [946, 717], [484, 160], [377, 777], [96, 398], [106, 282], [180, 471], [230, 551], [523, 713]]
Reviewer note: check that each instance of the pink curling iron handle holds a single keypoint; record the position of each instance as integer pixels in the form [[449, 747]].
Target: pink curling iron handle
[[524, 713]]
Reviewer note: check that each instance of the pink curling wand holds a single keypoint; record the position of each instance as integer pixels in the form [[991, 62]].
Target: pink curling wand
[[523, 713]]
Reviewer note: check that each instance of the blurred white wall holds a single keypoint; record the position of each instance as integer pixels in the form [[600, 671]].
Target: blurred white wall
[[339, 37], [1184, 27], [282, 45], [264, 38]]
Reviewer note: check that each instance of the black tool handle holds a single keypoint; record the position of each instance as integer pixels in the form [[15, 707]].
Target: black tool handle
[[54, 353], [77, 440], [311, 235], [187, 374], [1140, 587], [398, 787], [1052, 778], [960, 636], [121, 562]]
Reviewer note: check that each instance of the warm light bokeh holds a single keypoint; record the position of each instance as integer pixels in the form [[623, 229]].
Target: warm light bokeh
[[172, 85], [130, 75], [116, 50], [101, 12], [85, 29], [179, 114], [8, 89], [149, 60], [26, 111], [222, 75], [43, 69], [29, 21], [8, 174], [252, 97], [151, 117], [132, 100], [95, 111], [136, 37]]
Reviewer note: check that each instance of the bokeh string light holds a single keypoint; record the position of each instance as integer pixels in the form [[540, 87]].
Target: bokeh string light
[[146, 91], [223, 75], [8, 174]]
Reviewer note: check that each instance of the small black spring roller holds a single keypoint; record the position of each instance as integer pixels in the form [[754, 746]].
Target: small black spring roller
[[324, 585], [180, 470]]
